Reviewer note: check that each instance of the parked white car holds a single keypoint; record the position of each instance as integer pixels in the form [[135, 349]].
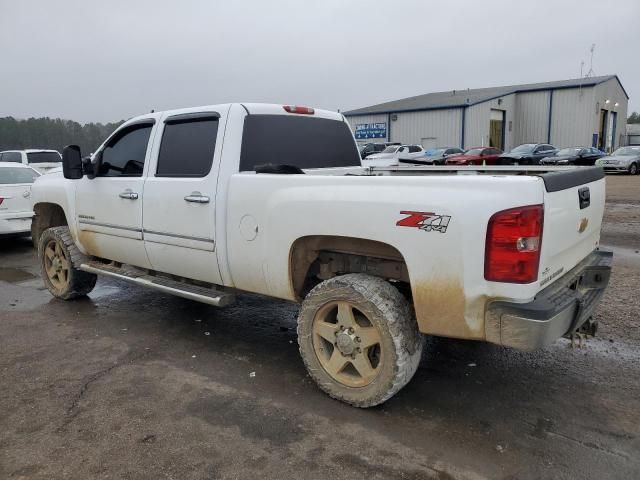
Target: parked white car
[[42, 160], [16, 207], [393, 155], [206, 202]]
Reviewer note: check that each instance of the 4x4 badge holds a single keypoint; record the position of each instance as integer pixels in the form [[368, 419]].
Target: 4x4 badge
[[426, 221]]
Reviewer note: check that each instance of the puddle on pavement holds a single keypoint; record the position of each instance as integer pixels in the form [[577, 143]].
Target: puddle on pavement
[[14, 275]]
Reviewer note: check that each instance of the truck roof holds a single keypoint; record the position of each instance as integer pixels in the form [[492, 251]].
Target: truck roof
[[14, 165], [30, 150], [251, 108]]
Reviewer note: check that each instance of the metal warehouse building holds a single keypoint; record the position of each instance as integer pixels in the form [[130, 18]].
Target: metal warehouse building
[[585, 111]]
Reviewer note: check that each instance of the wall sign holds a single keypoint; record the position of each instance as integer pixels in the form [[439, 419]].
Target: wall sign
[[371, 130]]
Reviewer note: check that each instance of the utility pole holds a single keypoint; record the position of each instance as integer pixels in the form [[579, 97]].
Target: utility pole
[[590, 72]]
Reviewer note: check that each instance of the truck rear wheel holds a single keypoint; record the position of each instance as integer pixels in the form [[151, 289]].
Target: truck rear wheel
[[359, 339], [59, 259]]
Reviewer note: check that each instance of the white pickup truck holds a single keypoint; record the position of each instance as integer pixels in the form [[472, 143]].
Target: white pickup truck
[[207, 202]]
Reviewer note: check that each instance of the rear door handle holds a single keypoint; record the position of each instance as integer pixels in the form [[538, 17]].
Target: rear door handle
[[128, 194], [197, 197]]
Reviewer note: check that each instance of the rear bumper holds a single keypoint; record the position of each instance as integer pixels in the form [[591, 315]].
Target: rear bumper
[[615, 168], [559, 309]]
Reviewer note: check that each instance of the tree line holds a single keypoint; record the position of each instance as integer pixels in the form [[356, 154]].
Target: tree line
[[634, 118], [52, 133]]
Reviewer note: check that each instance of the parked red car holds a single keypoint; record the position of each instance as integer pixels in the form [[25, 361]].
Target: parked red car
[[476, 156]]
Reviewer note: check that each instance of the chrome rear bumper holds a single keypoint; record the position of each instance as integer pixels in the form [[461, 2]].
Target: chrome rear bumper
[[558, 310]]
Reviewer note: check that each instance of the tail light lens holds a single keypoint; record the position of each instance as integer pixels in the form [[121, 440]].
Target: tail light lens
[[1, 200], [299, 109], [514, 238]]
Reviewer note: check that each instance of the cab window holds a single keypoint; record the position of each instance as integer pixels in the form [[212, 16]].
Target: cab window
[[188, 145], [12, 157], [124, 155]]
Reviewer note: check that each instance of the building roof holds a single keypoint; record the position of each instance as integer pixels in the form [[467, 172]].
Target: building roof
[[464, 98]]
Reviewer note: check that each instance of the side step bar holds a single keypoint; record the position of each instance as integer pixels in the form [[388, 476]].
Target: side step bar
[[191, 292]]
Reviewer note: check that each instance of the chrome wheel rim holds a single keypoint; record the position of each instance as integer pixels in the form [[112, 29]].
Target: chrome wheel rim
[[347, 344]]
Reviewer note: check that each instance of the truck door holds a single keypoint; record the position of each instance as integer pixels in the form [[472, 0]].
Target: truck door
[[178, 206], [109, 206]]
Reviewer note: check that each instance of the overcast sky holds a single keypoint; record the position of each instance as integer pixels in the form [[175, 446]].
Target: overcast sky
[[109, 60]]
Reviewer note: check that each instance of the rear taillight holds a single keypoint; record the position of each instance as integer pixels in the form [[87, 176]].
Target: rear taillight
[[512, 252], [299, 109], [1, 200]]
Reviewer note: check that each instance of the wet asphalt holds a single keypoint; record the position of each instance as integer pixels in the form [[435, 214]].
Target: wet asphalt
[[135, 384]]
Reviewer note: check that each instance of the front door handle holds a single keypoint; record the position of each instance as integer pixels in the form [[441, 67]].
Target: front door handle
[[197, 197], [128, 194]]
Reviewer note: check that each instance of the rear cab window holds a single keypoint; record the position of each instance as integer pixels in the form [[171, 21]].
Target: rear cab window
[[15, 157], [298, 141], [43, 157]]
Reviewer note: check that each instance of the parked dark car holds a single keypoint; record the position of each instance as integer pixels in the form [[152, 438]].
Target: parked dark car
[[574, 156], [528, 154], [371, 148], [438, 155], [476, 156]]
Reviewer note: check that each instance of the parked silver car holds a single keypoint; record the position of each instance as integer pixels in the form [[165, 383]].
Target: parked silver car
[[624, 159]]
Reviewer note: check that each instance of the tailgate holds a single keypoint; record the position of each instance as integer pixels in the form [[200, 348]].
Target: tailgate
[[573, 205]]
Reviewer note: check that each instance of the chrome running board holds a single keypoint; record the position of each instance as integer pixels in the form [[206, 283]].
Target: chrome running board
[[166, 285]]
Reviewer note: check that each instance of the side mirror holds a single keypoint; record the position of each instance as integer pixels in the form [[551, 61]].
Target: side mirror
[[72, 162]]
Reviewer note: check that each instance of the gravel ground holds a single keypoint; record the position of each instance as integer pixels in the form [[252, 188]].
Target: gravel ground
[[134, 384]]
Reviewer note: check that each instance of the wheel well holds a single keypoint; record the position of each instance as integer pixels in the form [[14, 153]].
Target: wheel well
[[47, 215], [316, 258]]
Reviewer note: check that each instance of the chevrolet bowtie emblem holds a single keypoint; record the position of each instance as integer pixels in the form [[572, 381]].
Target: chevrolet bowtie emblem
[[583, 225]]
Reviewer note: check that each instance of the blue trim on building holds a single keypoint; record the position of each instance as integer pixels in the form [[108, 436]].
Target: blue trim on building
[[464, 117], [550, 113]]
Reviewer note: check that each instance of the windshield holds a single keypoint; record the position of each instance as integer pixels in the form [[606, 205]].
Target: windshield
[[569, 151], [44, 157], [474, 151], [627, 151], [297, 141], [390, 149], [525, 148], [11, 175], [434, 152]]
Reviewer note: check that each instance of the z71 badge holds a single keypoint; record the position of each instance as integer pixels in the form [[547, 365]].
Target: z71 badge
[[426, 221]]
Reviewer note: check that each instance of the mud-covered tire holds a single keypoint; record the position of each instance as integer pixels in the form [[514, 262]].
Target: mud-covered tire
[[386, 309], [75, 283]]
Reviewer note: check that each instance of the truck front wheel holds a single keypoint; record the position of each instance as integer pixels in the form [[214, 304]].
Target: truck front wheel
[[359, 339], [59, 258]]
